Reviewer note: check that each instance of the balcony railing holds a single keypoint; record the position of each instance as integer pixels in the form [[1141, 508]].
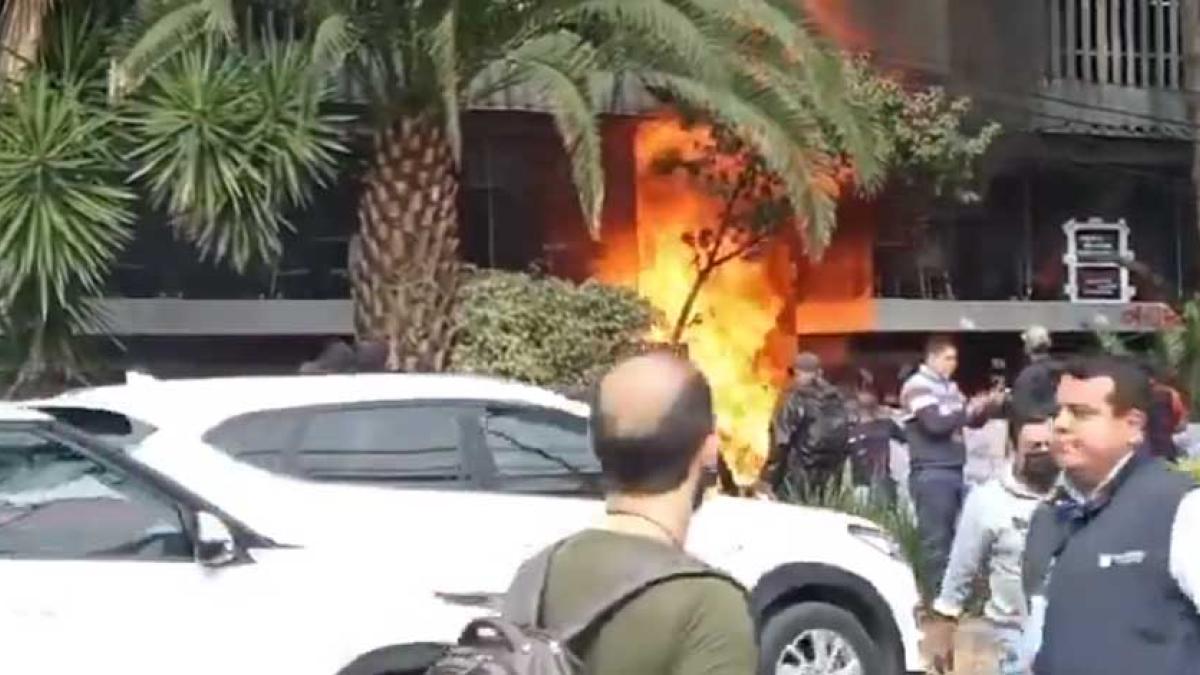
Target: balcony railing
[[1130, 43]]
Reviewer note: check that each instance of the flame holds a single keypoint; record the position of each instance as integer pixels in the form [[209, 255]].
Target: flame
[[836, 20], [742, 339]]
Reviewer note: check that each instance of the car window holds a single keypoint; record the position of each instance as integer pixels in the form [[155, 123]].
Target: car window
[[400, 442], [521, 438], [261, 439], [56, 503]]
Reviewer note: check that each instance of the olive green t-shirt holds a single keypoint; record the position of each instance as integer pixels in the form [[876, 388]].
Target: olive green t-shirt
[[686, 626]]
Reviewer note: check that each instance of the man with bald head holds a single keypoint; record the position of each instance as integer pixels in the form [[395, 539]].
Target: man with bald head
[[654, 433]]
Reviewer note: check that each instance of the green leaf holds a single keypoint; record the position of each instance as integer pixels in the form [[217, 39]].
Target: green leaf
[[63, 202], [227, 142]]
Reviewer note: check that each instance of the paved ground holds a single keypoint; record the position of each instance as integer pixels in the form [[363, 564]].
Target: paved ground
[[974, 653]]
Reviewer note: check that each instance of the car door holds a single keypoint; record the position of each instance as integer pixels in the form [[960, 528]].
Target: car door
[[98, 571], [414, 444], [541, 450]]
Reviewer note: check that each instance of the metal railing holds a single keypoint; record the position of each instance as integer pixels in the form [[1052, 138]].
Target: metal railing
[[1131, 43]]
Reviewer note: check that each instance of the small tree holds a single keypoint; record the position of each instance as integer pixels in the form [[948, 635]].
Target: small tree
[[753, 208], [543, 330], [927, 150]]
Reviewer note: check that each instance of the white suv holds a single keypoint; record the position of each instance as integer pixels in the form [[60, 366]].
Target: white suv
[[829, 591]]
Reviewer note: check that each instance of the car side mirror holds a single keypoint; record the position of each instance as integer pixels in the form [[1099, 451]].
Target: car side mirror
[[215, 545]]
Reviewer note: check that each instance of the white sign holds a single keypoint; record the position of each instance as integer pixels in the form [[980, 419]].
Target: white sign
[[1096, 255]]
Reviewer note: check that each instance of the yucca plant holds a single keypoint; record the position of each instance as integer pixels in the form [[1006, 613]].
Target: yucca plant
[[895, 517], [750, 66], [224, 142], [227, 141], [66, 213]]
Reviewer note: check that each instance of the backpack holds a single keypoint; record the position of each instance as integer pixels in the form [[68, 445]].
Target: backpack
[[827, 426], [516, 642]]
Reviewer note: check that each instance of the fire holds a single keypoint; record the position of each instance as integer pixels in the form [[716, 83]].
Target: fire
[[837, 20], [737, 339]]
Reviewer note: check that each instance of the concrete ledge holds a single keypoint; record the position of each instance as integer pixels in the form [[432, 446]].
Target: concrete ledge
[[177, 317], [901, 316]]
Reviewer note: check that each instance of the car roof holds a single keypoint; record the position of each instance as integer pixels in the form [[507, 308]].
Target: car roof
[[10, 412], [208, 401]]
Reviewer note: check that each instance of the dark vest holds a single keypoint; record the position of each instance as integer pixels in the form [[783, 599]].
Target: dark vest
[[1113, 607]]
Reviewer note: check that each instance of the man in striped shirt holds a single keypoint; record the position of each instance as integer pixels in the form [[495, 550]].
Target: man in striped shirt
[[935, 413]]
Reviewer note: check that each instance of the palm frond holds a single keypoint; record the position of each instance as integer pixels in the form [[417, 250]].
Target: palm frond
[[826, 77], [807, 185], [443, 51], [168, 35], [758, 22], [660, 30], [333, 39], [557, 66]]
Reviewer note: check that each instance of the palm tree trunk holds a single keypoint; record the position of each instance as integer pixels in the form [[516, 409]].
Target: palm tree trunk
[[21, 30], [404, 265]]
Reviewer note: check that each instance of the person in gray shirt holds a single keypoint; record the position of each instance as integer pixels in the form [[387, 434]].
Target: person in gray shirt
[[991, 540]]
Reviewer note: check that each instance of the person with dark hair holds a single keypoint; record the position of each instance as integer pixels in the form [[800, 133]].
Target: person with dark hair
[[935, 413], [871, 447], [1034, 389], [991, 539], [1167, 415], [809, 434], [1112, 563], [654, 432]]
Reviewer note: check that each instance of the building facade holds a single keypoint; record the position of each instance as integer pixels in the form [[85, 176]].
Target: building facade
[[1091, 96]]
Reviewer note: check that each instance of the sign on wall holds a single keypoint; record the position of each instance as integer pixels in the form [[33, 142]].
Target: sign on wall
[[1095, 251]]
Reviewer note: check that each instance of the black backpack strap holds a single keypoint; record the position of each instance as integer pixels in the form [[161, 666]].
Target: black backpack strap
[[523, 601]]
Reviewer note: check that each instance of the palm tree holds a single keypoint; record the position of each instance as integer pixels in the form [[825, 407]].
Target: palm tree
[[21, 24], [750, 66]]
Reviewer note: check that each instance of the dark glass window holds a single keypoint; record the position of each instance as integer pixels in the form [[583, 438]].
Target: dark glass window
[[538, 440], [418, 442], [261, 439]]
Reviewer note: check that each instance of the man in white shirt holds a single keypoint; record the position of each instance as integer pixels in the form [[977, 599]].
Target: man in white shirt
[[991, 539], [1112, 563]]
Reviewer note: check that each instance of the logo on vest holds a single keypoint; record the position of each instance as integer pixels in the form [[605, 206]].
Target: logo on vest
[[1108, 560]]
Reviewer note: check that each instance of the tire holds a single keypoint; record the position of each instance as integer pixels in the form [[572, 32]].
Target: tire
[[788, 627]]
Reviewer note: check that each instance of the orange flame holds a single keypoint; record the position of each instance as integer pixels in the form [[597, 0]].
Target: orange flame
[[836, 20], [736, 339]]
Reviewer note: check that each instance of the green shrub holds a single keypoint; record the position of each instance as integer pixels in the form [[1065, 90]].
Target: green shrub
[[543, 330]]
